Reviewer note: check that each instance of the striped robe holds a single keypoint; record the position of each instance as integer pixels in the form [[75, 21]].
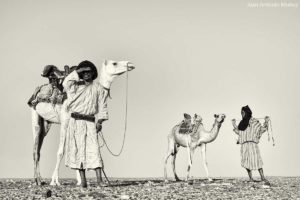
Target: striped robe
[[249, 139]]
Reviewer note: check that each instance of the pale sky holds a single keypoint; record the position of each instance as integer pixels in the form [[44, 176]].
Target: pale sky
[[202, 57]]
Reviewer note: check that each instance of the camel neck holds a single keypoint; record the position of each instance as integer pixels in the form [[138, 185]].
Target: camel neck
[[216, 127]]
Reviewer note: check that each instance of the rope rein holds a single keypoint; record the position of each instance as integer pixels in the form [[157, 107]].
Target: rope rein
[[270, 131], [125, 126]]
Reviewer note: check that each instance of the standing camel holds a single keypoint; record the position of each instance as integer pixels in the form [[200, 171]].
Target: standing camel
[[43, 117], [198, 137]]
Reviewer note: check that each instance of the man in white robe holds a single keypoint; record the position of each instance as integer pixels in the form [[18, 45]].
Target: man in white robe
[[87, 106]]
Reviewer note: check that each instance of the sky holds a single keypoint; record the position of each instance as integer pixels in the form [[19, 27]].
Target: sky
[[204, 57]]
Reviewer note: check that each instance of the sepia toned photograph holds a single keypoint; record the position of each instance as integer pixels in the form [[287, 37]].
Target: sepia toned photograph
[[150, 100]]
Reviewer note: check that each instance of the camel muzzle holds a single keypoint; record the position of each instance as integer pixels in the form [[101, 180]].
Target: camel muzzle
[[130, 66]]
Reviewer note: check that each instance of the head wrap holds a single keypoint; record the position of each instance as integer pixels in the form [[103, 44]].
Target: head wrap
[[48, 69], [246, 118], [90, 65]]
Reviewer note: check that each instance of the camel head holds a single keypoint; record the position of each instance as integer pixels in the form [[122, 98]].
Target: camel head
[[197, 119], [220, 118], [112, 69]]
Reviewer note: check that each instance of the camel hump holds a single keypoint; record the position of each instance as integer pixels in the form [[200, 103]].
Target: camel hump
[[187, 116]]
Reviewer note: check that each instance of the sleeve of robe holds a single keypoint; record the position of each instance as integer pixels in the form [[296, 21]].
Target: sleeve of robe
[[261, 130], [102, 104], [69, 83]]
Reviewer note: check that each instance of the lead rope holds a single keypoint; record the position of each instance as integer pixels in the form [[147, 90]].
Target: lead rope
[[125, 128], [270, 132]]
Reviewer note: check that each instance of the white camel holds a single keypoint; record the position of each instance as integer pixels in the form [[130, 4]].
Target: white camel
[[199, 137], [45, 114]]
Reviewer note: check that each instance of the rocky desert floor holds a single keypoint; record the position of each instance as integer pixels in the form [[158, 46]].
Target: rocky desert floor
[[219, 188]]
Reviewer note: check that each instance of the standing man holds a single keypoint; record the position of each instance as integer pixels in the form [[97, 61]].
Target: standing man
[[87, 105], [250, 131]]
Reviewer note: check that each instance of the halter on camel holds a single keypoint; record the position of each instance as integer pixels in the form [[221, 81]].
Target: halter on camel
[[125, 126], [125, 129]]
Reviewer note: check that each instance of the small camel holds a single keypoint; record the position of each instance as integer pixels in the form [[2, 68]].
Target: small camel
[[44, 115], [198, 137]]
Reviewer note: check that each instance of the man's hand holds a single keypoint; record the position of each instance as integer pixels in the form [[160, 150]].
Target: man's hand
[[99, 125], [267, 118], [233, 123], [83, 69]]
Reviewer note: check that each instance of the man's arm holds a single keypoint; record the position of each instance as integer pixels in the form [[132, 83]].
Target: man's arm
[[264, 127], [70, 82], [102, 108], [235, 126]]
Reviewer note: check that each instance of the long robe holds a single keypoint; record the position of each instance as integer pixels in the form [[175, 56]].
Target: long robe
[[249, 139], [82, 147]]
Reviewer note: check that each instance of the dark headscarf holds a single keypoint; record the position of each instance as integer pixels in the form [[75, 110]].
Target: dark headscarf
[[245, 121], [89, 64], [48, 69]]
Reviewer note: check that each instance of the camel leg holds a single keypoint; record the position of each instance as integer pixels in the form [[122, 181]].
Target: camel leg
[[39, 133], [78, 177], [60, 153], [173, 164], [203, 152], [45, 129], [190, 159], [169, 153]]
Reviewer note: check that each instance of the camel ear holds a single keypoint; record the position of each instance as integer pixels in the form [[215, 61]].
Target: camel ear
[[105, 62], [216, 116]]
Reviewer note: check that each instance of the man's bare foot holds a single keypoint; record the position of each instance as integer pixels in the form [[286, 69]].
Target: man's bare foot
[[84, 184], [266, 182]]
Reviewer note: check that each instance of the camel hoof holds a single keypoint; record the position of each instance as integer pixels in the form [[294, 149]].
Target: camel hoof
[[38, 181], [166, 181], [210, 180], [55, 183], [78, 183]]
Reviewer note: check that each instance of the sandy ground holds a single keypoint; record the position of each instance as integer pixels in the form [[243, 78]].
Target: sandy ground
[[225, 188]]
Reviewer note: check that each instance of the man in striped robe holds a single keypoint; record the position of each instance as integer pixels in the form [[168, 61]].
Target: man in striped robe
[[88, 107], [250, 131]]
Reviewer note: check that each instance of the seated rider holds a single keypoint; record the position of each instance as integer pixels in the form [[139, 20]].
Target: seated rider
[[51, 92], [185, 125]]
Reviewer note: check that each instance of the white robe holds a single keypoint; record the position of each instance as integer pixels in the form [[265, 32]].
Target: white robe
[[82, 146]]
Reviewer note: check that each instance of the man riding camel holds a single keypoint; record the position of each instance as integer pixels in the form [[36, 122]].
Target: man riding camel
[[87, 105], [51, 92]]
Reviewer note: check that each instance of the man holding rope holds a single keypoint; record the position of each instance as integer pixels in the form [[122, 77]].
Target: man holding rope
[[88, 107], [250, 131]]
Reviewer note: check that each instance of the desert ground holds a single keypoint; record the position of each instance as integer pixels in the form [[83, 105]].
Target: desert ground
[[219, 188]]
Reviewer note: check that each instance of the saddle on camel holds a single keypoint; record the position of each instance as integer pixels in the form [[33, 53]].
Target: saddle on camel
[[185, 126]]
